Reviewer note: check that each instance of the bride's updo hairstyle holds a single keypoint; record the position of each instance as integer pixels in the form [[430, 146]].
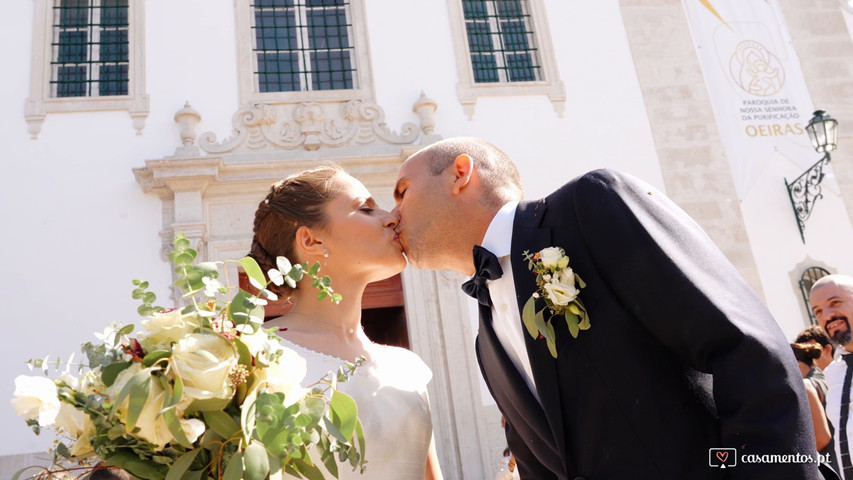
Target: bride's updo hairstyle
[[298, 200]]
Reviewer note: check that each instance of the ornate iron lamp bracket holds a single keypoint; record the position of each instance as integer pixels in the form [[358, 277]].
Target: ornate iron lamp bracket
[[805, 190]]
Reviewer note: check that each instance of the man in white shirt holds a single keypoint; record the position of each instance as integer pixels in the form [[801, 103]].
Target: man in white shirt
[[831, 301]]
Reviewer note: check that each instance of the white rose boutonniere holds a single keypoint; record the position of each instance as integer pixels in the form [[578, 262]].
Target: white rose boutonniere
[[559, 286]]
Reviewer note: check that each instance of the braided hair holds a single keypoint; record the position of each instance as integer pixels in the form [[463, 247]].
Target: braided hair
[[296, 201]]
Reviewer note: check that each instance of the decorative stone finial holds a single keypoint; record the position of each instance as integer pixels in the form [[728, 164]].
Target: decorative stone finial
[[425, 107], [187, 119]]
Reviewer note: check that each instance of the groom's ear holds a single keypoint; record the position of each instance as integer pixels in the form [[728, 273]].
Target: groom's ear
[[307, 242], [463, 168]]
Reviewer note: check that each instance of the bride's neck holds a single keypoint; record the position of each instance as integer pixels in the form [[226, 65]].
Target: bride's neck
[[341, 320]]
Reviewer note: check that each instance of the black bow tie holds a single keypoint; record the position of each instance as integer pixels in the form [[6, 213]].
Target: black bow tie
[[486, 267]]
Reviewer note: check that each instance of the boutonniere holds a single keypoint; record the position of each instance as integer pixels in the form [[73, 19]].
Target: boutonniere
[[559, 287]]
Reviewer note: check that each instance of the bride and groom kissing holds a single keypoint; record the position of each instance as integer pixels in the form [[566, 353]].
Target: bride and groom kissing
[[675, 354]]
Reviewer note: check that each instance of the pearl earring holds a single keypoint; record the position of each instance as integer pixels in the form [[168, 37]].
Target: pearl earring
[[325, 256]]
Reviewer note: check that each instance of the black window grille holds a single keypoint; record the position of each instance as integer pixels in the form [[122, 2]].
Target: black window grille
[[500, 39], [90, 48], [807, 279], [304, 45]]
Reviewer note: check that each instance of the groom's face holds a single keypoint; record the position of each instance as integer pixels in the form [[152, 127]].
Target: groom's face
[[424, 208]]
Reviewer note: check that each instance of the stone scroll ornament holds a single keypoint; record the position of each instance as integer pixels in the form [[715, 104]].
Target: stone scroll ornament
[[308, 125]]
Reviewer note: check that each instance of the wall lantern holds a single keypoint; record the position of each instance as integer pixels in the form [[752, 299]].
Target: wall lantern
[[805, 190]]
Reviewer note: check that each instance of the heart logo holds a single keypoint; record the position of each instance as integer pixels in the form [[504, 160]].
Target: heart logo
[[723, 456]]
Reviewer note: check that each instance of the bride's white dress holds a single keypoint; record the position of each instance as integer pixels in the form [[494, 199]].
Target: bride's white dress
[[390, 390]]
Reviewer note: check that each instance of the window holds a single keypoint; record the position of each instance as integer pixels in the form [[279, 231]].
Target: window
[[501, 41], [90, 48], [809, 276], [503, 48], [300, 46], [87, 55]]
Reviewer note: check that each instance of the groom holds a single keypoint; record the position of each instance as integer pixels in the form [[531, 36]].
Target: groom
[[680, 357]]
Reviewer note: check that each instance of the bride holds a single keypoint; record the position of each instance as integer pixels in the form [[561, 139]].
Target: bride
[[328, 216]]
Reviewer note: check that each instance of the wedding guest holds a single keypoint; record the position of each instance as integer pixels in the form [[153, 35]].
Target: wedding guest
[[806, 354], [816, 335], [831, 301], [679, 355], [325, 215]]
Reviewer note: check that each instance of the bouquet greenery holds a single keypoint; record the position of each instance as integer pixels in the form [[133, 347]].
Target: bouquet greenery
[[198, 393]]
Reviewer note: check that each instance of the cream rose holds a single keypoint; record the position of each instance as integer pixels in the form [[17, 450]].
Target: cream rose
[[152, 425], [71, 421], [260, 344], [203, 361], [165, 328], [560, 293], [35, 398], [83, 445], [550, 256], [285, 376]]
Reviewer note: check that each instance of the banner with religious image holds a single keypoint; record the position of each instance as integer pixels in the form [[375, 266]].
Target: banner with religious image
[[755, 84]]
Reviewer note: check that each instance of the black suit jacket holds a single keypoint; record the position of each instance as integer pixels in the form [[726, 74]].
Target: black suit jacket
[[681, 357]]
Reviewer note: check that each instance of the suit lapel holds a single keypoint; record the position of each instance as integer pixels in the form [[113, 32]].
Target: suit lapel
[[512, 395], [529, 235]]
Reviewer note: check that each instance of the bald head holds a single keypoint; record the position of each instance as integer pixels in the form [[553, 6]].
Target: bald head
[[831, 302], [498, 175]]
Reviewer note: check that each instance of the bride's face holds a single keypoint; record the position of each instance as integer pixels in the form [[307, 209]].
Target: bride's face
[[361, 236]]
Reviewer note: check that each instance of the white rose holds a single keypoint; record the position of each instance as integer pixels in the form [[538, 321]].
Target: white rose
[[260, 345], [203, 361], [71, 421], [152, 426], [83, 445], [35, 398], [560, 293], [567, 276], [165, 328], [550, 256], [193, 428], [285, 376]]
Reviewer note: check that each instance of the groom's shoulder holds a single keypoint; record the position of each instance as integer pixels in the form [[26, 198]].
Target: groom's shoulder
[[595, 182]]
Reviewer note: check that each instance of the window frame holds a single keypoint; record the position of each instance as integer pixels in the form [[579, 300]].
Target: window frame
[[40, 102], [469, 91], [247, 63]]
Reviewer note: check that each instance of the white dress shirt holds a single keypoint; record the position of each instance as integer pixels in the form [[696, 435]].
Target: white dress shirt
[[835, 381], [506, 319]]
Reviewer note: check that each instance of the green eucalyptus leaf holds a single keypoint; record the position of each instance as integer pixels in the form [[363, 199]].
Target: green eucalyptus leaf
[[181, 242], [234, 470], [185, 257], [111, 371], [182, 464], [359, 434], [256, 462], [247, 415], [134, 388], [154, 356], [313, 269], [222, 423], [344, 413], [308, 469], [334, 430], [127, 460], [250, 266], [527, 315], [573, 323]]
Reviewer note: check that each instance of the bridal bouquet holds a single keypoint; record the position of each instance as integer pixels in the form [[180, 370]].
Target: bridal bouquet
[[198, 393]]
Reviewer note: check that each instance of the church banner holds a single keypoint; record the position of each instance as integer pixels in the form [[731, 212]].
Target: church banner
[[755, 84]]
